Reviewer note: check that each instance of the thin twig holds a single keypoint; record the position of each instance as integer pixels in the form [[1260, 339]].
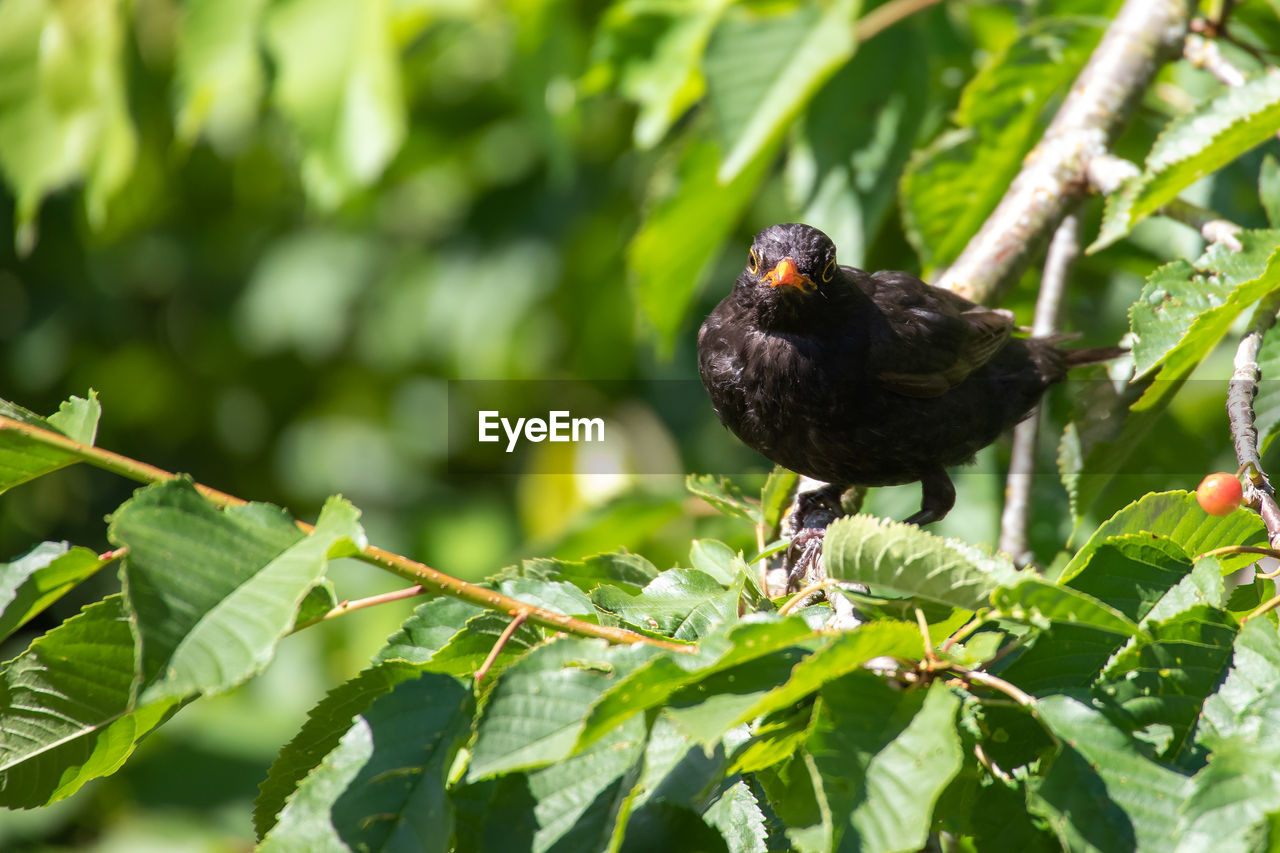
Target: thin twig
[[1144, 34], [406, 568], [1106, 173], [881, 18], [1258, 493], [930, 659], [992, 767], [506, 635], [1063, 250], [986, 679], [1202, 53], [361, 603]]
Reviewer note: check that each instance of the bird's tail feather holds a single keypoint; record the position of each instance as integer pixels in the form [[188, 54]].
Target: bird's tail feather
[[1091, 355]]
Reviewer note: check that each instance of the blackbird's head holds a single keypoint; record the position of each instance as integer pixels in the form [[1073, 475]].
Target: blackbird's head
[[791, 258]]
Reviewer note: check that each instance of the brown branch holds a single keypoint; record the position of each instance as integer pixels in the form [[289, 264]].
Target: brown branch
[[881, 18], [1258, 493], [411, 570], [1063, 250], [1143, 35], [361, 603], [506, 635]]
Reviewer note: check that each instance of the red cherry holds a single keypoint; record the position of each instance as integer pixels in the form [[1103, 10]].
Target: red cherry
[[1220, 493]]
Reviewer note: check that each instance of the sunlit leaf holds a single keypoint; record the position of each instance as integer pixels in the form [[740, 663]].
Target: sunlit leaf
[[884, 756], [653, 52], [24, 458], [1033, 599], [654, 682], [38, 578], [220, 77], [538, 706], [1100, 792], [1164, 679], [326, 724], [67, 710], [64, 113], [383, 786], [905, 559], [212, 591], [673, 250], [762, 67], [681, 603], [950, 187], [1190, 147], [338, 83]]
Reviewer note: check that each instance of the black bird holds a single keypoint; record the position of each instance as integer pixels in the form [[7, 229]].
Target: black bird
[[869, 379]]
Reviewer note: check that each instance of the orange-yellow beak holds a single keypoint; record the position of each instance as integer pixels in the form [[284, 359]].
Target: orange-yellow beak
[[788, 274]]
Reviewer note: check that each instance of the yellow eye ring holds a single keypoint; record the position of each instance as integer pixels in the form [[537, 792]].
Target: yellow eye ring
[[827, 271], [753, 262]]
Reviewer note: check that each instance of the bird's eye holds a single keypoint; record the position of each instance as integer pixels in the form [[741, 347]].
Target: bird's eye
[[829, 270], [753, 262]]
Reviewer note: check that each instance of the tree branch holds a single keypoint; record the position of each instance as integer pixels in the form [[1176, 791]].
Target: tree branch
[[411, 570], [1063, 251], [1143, 35], [1240, 415]]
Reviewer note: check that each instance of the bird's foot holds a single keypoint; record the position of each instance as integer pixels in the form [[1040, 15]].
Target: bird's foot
[[807, 526], [937, 497]]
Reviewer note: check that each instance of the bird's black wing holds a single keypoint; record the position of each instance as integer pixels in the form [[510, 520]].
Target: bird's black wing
[[932, 339]]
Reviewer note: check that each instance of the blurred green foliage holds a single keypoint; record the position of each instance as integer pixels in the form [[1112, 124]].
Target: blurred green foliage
[[269, 233]]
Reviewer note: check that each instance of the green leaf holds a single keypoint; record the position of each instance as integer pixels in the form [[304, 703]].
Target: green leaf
[[1164, 678], [67, 713], [64, 113], [617, 567], [1245, 278], [716, 559], [763, 66], [1269, 189], [318, 601], [1132, 572], [653, 50], [680, 603], [1231, 798], [847, 652], [1177, 516], [884, 757], [1190, 147], [1253, 682], [338, 84], [858, 132], [950, 187], [722, 494], [654, 682], [326, 724], [538, 706], [1032, 599], [776, 495], [683, 232], [707, 709], [219, 74], [558, 596], [1101, 793], [77, 418], [1065, 659], [428, 629], [383, 786], [212, 591], [906, 560], [667, 826], [574, 804], [38, 578], [23, 458]]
